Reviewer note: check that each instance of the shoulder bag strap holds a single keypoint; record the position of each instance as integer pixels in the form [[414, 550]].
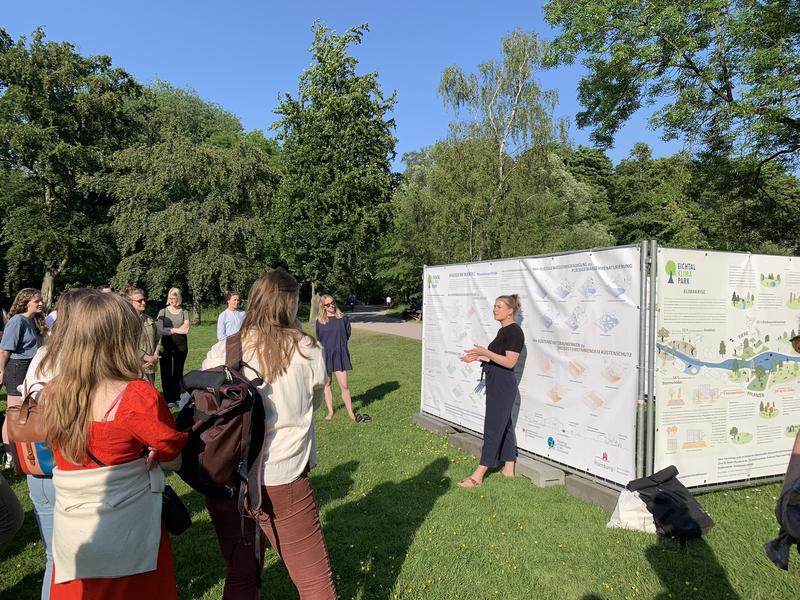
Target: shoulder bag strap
[[94, 458]]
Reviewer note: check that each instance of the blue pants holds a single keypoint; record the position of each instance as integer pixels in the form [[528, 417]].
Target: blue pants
[[43, 496], [499, 441]]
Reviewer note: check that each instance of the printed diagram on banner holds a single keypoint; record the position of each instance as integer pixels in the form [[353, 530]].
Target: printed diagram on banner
[[578, 371], [728, 379]]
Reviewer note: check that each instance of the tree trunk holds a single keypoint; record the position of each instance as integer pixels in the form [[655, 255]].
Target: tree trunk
[[47, 289], [196, 310], [314, 308], [48, 283]]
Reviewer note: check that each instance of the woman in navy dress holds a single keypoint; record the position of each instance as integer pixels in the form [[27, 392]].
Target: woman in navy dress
[[333, 331], [498, 362]]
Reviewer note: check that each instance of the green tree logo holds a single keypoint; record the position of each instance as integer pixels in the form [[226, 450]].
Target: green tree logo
[[671, 268]]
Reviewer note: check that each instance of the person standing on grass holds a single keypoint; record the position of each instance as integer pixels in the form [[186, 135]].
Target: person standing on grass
[[173, 325], [333, 330], [41, 371], [109, 430], [22, 337], [230, 319], [292, 366], [498, 362], [23, 334], [149, 342]]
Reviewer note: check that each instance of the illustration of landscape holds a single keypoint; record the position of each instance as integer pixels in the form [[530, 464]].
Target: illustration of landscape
[[757, 366]]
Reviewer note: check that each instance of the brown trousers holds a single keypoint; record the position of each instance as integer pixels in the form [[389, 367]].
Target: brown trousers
[[290, 521]]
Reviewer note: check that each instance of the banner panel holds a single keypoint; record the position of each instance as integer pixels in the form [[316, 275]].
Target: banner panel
[[578, 372], [727, 392]]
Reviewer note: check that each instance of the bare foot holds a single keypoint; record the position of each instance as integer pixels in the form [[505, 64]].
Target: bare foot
[[509, 475], [329, 416]]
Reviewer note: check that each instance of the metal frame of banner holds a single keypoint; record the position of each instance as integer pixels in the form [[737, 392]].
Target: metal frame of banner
[[652, 307], [641, 431]]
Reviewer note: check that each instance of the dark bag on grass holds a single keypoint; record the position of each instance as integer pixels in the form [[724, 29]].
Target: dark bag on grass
[[225, 422], [675, 511]]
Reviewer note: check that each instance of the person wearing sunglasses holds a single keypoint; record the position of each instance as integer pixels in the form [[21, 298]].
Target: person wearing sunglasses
[[333, 331], [149, 342]]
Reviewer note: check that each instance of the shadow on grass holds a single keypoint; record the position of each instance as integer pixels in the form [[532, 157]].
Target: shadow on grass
[[376, 393], [334, 484], [30, 586], [689, 569], [198, 562], [368, 539]]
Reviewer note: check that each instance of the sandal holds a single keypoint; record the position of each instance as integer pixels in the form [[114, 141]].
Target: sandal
[[363, 418], [469, 483]]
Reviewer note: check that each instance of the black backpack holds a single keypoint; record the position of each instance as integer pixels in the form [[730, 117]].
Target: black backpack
[[225, 420], [675, 511]]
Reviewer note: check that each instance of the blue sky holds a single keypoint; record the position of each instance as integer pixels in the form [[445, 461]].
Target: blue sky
[[244, 55]]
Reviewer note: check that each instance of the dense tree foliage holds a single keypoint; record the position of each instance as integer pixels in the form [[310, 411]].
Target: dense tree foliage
[[61, 115], [191, 201], [727, 70]]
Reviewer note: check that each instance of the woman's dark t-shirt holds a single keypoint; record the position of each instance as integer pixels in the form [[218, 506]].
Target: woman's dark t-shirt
[[509, 338]]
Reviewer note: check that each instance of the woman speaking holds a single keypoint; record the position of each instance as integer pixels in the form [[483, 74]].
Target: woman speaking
[[498, 362]]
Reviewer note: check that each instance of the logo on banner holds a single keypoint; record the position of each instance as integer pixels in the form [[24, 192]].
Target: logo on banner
[[679, 273], [551, 442], [433, 281]]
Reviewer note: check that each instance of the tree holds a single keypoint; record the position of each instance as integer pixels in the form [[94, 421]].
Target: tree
[[508, 116], [190, 212], [61, 115], [734, 431], [650, 201], [727, 71], [722, 349], [333, 200]]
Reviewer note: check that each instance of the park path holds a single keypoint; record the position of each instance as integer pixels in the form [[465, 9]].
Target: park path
[[374, 319]]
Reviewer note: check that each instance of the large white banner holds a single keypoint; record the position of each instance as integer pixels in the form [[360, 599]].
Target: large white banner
[[727, 392], [578, 372]]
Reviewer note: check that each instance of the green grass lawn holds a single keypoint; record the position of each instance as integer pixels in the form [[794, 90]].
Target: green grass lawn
[[397, 527]]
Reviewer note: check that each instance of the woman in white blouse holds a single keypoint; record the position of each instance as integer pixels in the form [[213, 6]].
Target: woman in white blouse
[[292, 365]]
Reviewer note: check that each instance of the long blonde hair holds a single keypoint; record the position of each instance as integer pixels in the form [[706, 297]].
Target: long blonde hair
[[322, 314], [99, 343], [55, 342], [270, 326], [20, 305]]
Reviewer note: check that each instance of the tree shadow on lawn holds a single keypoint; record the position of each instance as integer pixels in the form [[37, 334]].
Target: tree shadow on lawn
[[694, 562], [376, 393], [368, 539]]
